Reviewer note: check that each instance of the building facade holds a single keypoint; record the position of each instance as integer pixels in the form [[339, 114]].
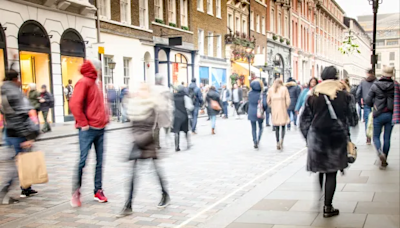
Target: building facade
[[46, 43], [357, 63], [329, 36], [209, 27], [279, 40], [388, 40]]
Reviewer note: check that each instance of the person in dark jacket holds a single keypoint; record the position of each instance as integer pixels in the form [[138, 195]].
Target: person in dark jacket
[[266, 107], [33, 96], [181, 119], [362, 94], [327, 136], [381, 98], [225, 96], [254, 98], [294, 92], [353, 92], [237, 98], [46, 102], [20, 130], [213, 96], [112, 99], [197, 97]]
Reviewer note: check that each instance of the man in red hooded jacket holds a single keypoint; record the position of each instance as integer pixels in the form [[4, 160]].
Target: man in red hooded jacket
[[87, 106]]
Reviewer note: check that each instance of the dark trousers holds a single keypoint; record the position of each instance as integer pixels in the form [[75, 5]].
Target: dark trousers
[[330, 186], [225, 108], [267, 118], [277, 128], [46, 126], [383, 120], [195, 115], [177, 139], [131, 187], [86, 139], [256, 139], [237, 105]]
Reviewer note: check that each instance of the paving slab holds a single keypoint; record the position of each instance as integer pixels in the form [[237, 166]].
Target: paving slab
[[277, 217], [343, 220], [275, 205], [316, 206], [384, 221], [387, 208]]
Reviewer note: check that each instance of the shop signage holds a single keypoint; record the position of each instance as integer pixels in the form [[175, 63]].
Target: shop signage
[[175, 41], [101, 50]]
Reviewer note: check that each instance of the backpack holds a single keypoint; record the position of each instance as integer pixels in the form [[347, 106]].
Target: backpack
[[192, 95]]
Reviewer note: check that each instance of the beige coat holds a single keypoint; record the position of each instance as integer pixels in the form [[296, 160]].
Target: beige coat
[[279, 103]]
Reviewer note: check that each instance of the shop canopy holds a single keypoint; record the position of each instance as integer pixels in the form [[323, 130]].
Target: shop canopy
[[254, 70]]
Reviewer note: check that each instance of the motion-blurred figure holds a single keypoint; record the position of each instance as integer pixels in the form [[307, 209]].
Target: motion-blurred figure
[[255, 96], [165, 109], [197, 99], [68, 91], [123, 103], [142, 111], [46, 102], [181, 119], [20, 131], [225, 97], [33, 96], [294, 92], [87, 106], [237, 98], [325, 126], [112, 99], [213, 96]]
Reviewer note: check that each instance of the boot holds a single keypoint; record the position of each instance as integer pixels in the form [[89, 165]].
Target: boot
[[368, 141], [330, 211], [188, 141], [126, 211], [281, 143], [278, 145], [165, 199], [212, 131], [177, 142]]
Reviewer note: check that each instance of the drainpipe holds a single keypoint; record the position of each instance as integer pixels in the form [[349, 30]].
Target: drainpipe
[[98, 22]]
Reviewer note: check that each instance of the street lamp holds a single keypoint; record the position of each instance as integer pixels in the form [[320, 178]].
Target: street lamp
[[248, 51], [111, 65], [375, 6]]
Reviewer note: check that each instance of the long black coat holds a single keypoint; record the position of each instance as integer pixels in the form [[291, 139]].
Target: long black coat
[[181, 120], [294, 92], [143, 135], [212, 95], [326, 138]]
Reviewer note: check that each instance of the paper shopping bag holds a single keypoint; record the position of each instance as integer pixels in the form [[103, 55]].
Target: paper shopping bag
[[31, 169]]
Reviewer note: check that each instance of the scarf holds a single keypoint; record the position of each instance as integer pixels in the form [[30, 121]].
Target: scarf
[[329, 87]]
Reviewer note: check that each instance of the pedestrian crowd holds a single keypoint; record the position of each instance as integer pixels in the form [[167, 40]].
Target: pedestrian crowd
[[324, 111]]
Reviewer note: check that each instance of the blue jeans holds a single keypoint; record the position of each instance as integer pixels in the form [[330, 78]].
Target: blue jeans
[[256, 139], [367, 111], [225, 108], [383, 120], [213, 119], [86, 139], [195, 115], [267, 118], [292, 117]]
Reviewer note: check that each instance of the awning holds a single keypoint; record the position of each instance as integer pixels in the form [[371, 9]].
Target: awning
[[254, 70]]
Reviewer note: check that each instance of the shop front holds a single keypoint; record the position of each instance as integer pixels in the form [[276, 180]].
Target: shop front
[[34, 58], [3, 53], [213, 71], [72, 48], [278, 61]]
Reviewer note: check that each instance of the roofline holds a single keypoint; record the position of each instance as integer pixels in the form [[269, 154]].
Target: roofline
[[340, 8]]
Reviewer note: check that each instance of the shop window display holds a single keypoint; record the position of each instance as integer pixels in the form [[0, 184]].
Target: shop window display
[[70, 75], [35, 68], [180, 70]]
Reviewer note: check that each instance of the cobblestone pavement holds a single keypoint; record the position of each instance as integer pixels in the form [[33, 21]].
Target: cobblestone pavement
[[215, 172]]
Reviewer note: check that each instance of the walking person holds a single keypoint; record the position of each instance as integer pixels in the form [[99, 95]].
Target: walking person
[[224, 97], [294, 92], [34, 97], [237, 98], [255, 97], [20, 131], [91, 117], [266, 107], [197, 99], [111, 99], [214, 106], [278, 99], [46, 102], [181, 118], [122, 100], [362, 94], [381, 98], [304, 95], [324, 124], [143, 111]]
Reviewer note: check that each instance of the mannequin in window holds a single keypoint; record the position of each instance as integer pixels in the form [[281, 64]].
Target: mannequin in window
[[68, 90]]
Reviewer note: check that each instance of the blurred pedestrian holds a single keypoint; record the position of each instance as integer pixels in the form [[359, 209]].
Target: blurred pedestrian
[[381, 97], [34, 97], [181, 119], [205, 104], [68, 91], [46, 102], [237, 98], [304, 95], [87, 106], [256, 97], [214, 106], [294, 92], [197, 99], [225, 97], [325, 126], [165, 108], [266, 107], [123, 103], [245, 92], [20, 130], [142, 110], [362, 94], [111, 99], [279, 101]]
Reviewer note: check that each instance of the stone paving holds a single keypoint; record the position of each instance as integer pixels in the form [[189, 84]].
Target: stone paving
[[216, 172]]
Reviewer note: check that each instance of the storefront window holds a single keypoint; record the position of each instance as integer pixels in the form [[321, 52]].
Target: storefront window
[[180, 70], [35, 68], [70, 75]]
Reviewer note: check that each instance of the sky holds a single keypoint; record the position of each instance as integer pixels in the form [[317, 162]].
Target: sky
[[354, 8]]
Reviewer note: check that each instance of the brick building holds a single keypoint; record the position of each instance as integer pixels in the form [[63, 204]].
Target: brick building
[[258, 30], [209, 27], [134, 34]]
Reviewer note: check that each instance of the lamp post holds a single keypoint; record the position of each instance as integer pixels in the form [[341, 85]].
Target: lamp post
[[248, 51], [111, 65], [375, 6]]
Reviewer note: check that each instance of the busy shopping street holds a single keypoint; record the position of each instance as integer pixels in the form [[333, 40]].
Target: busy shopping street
[[221, 181]]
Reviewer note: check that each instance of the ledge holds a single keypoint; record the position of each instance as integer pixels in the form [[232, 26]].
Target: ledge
[[173, 28], [263, 4], [126, 25]]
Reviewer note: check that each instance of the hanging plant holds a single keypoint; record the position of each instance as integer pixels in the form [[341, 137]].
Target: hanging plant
[[348, 46], [275, 37], [234, 77]]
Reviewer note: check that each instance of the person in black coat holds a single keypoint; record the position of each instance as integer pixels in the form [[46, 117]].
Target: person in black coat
[[327, 137], [46, 102], [294, 92], [213, 97], [254, 98], [181, 119], [266, 107]]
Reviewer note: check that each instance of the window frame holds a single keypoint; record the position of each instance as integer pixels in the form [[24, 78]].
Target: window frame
[[258, 23], [252, 20], [200, 5], [161, 9], [272, 20], [279, 31], [219, 46], [210, 45], [127, 67], [200, 41], [105, 5], [184, 8], [230, 22], [108, 76], [263, 25], [392, 54], [218, 10], [143, 14], [210, 10], [128, 11], [173, 19]]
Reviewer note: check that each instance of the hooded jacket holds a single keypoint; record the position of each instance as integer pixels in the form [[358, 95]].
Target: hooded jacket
[[364, 87], [197, 93], [294, 92], [254, 97], [381, 96], [87, 102]]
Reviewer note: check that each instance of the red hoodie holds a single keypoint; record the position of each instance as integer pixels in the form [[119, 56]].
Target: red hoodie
[[87, 102]]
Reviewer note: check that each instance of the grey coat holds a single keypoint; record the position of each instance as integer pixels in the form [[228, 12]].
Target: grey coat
[[364, 87]]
